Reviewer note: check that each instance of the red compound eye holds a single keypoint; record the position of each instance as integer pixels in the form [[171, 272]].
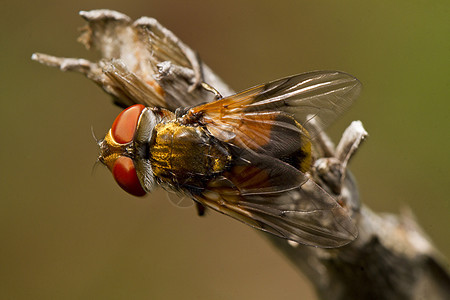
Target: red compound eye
[[125, 124], [125, 175]]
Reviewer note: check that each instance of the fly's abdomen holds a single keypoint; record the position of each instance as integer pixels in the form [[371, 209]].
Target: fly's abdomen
[[184, 153]]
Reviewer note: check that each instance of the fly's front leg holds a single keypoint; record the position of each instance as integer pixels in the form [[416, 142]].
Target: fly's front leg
[[197, 67], [211, 89]]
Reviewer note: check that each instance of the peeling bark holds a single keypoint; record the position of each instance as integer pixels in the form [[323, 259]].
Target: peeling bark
[[143, 62]]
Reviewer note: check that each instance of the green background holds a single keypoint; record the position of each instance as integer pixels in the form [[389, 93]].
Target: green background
[[67, 234]]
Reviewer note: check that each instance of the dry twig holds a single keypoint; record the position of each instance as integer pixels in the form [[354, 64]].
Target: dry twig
[[391, 259]]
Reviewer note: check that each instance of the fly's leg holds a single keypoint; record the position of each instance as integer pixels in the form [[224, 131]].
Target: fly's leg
[[200, 208], [209, 88]]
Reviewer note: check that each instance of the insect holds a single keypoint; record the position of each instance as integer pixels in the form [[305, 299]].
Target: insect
[[246, 155]]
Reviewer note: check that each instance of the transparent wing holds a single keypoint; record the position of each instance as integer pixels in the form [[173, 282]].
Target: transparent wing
[[319, 95], [295, 209]]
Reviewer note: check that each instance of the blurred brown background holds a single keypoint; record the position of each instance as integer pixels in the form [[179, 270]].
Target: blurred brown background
[[67, 234]]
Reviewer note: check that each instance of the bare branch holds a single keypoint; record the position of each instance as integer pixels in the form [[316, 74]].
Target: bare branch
[[143, 62]]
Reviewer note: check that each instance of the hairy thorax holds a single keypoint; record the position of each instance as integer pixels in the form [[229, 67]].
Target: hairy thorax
[[181, 154]]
